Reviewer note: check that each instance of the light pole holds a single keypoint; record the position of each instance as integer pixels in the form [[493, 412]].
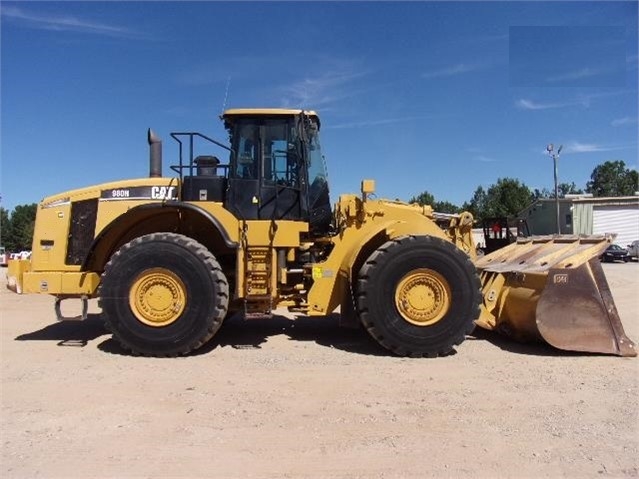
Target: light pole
[[555, 156]]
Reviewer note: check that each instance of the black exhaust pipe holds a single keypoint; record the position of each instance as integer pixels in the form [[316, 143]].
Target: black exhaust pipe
[[155, 154]]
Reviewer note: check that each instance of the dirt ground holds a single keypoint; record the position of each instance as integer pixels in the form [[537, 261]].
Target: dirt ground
[[293, 399]]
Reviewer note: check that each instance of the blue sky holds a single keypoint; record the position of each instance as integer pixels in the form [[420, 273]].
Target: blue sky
[[436, 96]]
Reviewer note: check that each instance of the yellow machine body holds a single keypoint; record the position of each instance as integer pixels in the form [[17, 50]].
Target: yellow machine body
[[367, 224], [401, 269]]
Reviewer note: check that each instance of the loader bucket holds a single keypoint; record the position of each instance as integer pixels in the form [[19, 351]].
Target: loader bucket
[[553, 289], [15, 273]]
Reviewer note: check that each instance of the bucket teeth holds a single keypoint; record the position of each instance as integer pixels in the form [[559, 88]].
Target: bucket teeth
[[553, 289]]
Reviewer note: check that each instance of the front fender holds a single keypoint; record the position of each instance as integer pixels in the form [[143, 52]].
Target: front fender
[[333, 278]]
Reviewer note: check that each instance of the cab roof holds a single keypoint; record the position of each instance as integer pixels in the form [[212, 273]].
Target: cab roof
[[267, 112]]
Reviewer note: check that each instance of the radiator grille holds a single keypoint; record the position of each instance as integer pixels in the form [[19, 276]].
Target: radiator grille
[[81, 232]]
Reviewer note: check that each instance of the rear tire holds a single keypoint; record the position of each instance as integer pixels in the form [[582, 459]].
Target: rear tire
[[418, 296], [163, 294]]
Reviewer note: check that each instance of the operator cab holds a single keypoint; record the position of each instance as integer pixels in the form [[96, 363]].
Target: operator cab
[[275, 170], [276, 167]]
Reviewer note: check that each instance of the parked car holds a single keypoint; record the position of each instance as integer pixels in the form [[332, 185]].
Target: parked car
[[21, 255], [4, 256], [614, 252], [633, 250]]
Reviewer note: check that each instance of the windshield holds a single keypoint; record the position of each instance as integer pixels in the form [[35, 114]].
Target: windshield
[[272, 141], [317, 175]]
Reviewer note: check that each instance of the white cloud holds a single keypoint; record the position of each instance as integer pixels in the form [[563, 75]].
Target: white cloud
[[485, 159], [453, 70], [318, 91], [67, 23], [627, 120], [381, 121], [531, 105], [577, 147], [479, 154], [584, 100], [574, 75]]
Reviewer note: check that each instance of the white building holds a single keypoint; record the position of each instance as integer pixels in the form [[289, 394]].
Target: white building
[[583, 214]]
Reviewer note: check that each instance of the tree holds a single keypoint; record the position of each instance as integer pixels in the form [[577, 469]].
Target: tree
[[612, 178], [507, 197], [424, 198], [17, 231], [568, 189], [478, 203], [543, 193], [5, 228], [563, 189], [446, 207]]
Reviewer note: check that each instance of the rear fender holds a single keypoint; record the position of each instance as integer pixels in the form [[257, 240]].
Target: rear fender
[[153, 218]]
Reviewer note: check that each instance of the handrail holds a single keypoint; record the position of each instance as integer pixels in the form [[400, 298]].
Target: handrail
[[179, 169]]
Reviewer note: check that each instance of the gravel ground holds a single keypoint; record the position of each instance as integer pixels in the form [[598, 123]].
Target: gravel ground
[[302, 398]]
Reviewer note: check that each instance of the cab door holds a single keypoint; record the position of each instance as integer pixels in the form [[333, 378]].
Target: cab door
[[243, 193], [265, 172]]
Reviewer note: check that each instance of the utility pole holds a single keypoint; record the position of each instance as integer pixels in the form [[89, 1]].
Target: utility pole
[[555, 157]]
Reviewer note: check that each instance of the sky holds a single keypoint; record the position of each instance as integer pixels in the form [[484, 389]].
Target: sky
[[420, 96]]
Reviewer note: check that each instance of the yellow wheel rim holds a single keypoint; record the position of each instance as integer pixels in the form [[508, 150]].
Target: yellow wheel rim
[[423, 297], [157, 297]]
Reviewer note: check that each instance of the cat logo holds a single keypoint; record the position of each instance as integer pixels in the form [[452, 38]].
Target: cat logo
[[163, 192]]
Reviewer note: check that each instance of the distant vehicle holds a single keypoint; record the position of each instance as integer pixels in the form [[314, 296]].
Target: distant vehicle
[[613, 253], [633, 250], [500, 232], [3, 256], [21, 255]]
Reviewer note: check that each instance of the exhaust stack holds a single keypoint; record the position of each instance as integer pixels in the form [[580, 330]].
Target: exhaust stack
[[155, 154]]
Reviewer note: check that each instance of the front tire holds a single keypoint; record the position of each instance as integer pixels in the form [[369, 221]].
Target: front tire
[[418, 296], [163, 294]]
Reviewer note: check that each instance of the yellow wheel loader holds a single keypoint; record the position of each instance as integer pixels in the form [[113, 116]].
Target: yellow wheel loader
[[170, 257]]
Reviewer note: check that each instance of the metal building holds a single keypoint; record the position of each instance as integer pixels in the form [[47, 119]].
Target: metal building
[[582, 214]]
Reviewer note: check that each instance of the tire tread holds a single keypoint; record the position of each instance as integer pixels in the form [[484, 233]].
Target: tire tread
[[214, 320], [369, 272]]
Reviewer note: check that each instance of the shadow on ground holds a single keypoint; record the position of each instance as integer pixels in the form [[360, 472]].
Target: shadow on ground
[[531, 349], [324, 331], [238, 333], [69, 333]]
